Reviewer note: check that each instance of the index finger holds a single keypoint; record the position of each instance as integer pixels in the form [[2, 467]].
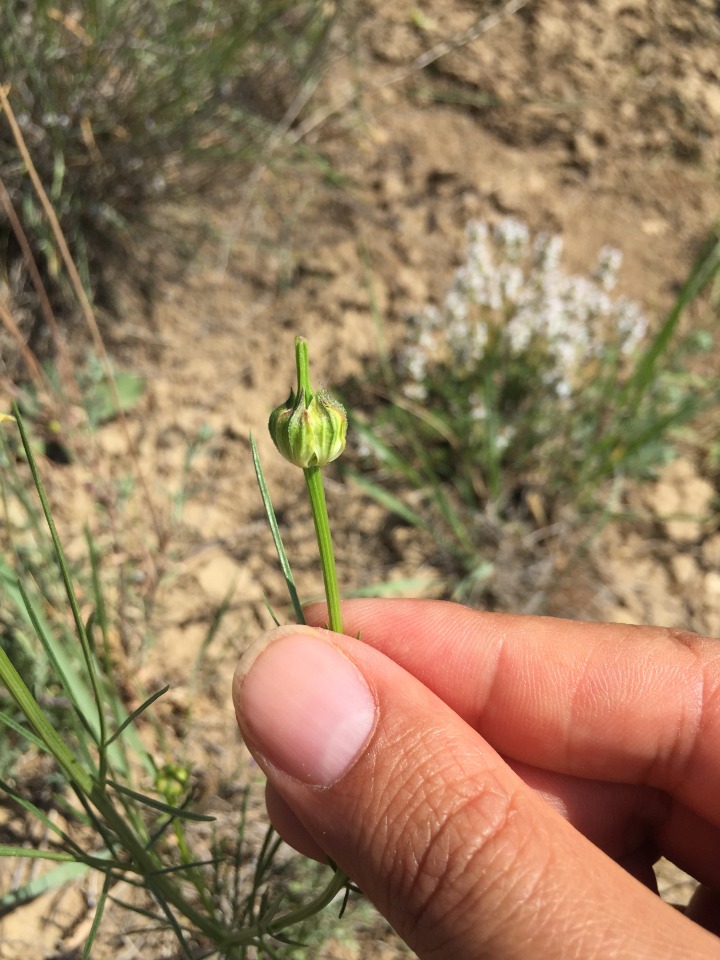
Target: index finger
[[605, 701]]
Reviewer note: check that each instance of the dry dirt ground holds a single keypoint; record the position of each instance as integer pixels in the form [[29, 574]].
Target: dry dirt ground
[[596, 120]]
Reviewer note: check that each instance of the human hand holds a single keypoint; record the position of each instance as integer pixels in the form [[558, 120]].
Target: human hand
[[498, 785]]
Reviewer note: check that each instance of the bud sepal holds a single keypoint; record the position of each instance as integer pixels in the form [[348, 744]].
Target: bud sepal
[[309, 434]]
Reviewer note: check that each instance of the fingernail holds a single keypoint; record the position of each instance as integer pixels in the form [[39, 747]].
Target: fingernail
[[303, 705]]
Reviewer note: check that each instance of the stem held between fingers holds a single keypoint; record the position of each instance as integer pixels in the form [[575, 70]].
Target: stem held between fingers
[[316, 492]]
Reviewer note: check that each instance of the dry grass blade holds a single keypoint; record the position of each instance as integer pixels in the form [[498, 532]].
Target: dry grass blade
[[83, 300], [33, 367], [64, 365]]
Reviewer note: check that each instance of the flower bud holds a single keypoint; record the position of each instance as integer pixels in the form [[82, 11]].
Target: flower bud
[[171, 781], [312, 434]]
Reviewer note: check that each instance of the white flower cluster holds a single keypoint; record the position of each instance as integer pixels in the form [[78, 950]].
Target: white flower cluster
[[513, 287]]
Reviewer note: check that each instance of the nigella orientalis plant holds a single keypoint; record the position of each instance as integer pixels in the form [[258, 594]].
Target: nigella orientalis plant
[[131, 816], [309, 430]]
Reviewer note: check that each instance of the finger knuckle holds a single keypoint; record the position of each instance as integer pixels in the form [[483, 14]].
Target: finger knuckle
[[449, 835]]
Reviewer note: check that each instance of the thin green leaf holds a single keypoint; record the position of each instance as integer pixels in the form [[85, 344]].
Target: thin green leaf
[[240, 911], [69, 680], [159, 833], [23, 731], [181, 867], [390, 502], [136, 713], [346, 900], [269, 951], [131, 739], [29, 853], [704, 270], [405, 586], [42, 726], [270, 909], [385, 453], [159, 805], [90, 631], [277, 539], [287, 940], [157, 918], [97, 918], [39, 815], [90, 861], [217, 619], [405, 418], [50, 880], [108, 839], [270, 845], [70, 811], [270, 610], [482, 572], [171, 919], [60, 556], [100, 609]]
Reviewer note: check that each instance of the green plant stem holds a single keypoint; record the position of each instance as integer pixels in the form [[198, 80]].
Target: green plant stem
[[92, 786], [316, 493], [141, 859], [69, 589], [289, 919], [318, 506], [302, 365]]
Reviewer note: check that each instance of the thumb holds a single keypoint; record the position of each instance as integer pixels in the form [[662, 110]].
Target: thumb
[[453, 848]]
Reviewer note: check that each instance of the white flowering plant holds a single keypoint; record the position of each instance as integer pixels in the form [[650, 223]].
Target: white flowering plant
[[526, 390]]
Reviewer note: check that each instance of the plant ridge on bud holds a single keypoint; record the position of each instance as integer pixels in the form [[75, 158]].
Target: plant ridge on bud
[[309, 433]]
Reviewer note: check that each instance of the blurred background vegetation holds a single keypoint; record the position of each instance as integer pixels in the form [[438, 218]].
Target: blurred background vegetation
[[122, 103]]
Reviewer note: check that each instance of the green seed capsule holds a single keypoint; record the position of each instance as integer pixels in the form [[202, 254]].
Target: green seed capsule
[[309, 435]]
